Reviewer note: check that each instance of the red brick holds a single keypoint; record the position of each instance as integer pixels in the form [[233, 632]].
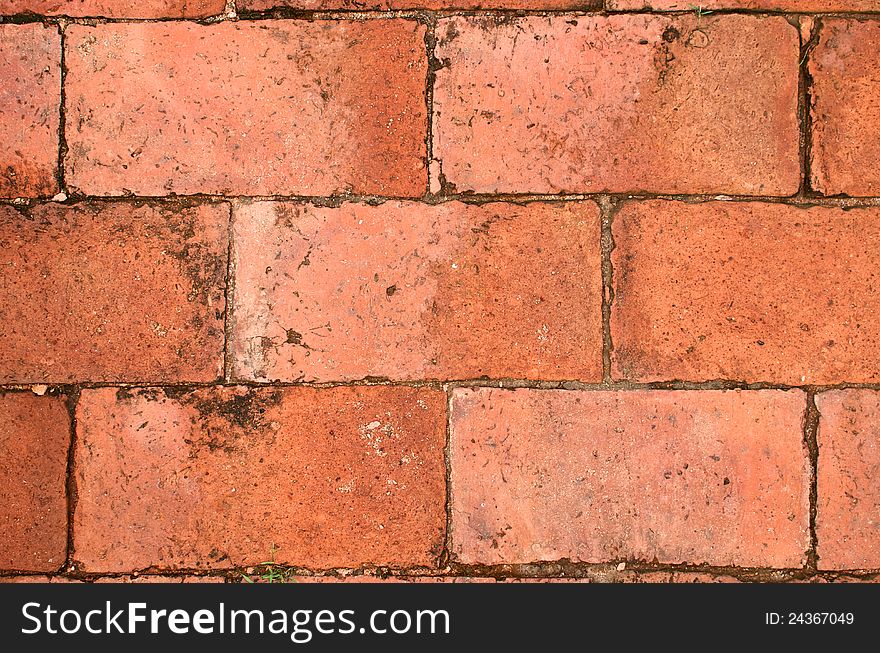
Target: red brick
[[848, 511], [845, 68], [699, 476], [217, 477], [801, 6], [34, 439], [30, 101], [112, 292], [411, 291], [746, 292], [116, 8], [617, 103], [271, 107]]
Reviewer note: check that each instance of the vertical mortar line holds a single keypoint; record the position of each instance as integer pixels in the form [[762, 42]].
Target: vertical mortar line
[[446, 555], [805, 99], [607, 208], [229, 294], [430, 43], [811, 443], [62, 115], [70, 480]]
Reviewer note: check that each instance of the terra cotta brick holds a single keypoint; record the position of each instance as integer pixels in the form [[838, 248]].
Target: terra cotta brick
[[617, 103], [264, 108], [845, 69], [112, 292], [746, 291], [412, 291], [30, 101], [34, 439], [848, 511], [699, 476], [116, 8], [228, 476]]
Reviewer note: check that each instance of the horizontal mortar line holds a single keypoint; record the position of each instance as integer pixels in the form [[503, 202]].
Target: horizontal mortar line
[[333, 201], [505, 384], [419, 13], [538, 570]]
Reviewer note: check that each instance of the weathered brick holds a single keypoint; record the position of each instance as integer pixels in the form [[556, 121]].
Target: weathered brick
[[618, 103], [845, 69], [112, 292], [271, 107], [217, 477], [699, 476], [411, 291], [34, 439], [848, 511], [116, 8], [30, 101], [747, 292], [773, 5]]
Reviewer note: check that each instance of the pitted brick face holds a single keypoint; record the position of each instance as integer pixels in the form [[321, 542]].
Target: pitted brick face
[[262, 108], [30, 99], [126, 292], [620, 103], [225, 477], [115, 8], [409, 291], [34, 439]]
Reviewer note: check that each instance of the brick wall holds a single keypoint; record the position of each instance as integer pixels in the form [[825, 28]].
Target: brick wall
[[415, 289]]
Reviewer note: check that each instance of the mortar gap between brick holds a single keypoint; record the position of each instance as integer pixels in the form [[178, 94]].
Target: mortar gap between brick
[[805, 99], [608, 207], [229, 295], [62, 112], [72, 398], [811, 443], [446, 554]]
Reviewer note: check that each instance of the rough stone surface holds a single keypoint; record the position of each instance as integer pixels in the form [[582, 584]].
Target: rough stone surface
[[116, 8], [30, 100], [848, 512], [260, 108], [112, 292], [411, 291], [674, 476], [34, 440], [217, 477], [845, 69], [617, 103], [746, 291]]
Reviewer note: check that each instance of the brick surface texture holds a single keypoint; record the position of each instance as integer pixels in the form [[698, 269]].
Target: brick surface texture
[[589, 104], [35, 437], [845, 69], [214, 477], [699, 476], [849, 461], [409, 291], [749, 291], [112, 292], [30, 57], [116, 8], [269, 108], [439, 291]]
